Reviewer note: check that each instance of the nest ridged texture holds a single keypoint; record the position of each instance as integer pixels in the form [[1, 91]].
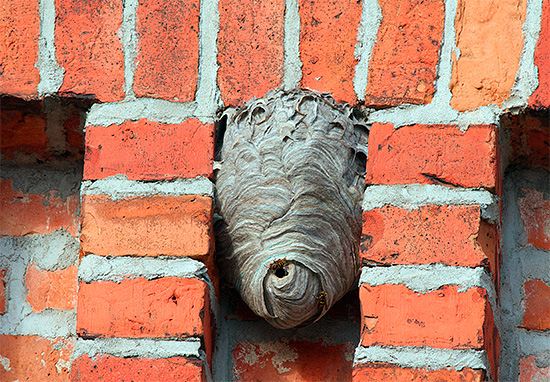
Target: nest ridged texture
[[290, 181]]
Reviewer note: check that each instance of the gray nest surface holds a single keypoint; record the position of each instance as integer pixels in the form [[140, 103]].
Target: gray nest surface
[[290, 182]]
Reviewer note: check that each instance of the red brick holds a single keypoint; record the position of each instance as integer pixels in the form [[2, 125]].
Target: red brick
[[3, 283], [138, 308], [328, 35], [529, 138], [56, 290], [251, 48], [111, 368], [530, 372], [168, 49], [490, 40], [537, 305], [145, 150], [89, 48], [19, 33], [403, 67], [541, 97], [452, 235], [394, 315], [22, 214], [366, 372], [433, 154], [23, 131], [33, 358], [292, 360], [535, 214], [148, 226]]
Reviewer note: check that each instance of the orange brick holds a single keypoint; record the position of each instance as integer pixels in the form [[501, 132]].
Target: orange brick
[[403, 66], [541, 97], [148, 226], [56, 290], [3, 283], [145, 150], [537, 305], [251, 48], [328, 35], [292, 360], [33, 358], [490, 39], [19, 33], [386, 372], [433, 154], [22, 214], [394, 315], [89, 48], [452, 235], [111, 368], [535, 214], [138, 308], [168, 49], [530, 372]]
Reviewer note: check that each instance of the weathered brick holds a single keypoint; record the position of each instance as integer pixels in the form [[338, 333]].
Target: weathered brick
[[19, 33], [403, 66], [444, 318], [22, 213], [251, 48], [536, 301], [33, 358], [531, 371], [47, 289], [23, 130], [292, 360], [145, 150], [89, 48], [168, 49], [541, 97], [490, 39], [328, 35], [433, 154], [383, 372], [535, 214], [452, 235], [111, 368], [3, 283], [137, 307], [148, 226]]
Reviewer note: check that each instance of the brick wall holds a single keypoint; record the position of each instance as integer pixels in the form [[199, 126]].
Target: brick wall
[[449, 271]]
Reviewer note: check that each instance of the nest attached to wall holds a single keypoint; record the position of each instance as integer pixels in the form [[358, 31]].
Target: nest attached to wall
[[290, 182]]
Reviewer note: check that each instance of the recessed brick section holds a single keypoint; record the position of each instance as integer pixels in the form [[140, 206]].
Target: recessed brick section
[[541, 97], [529, 138], [433, 154], [89, 49], [111, 368], [536, 301], [3, 283], [292, 360], [452, 235], [383, 372], [148, 226], [33, 358], [51, 289], [20, 28], [490, 39], [444, 318], [250, 48], [168, 49], [22, 213], [535, 214], [138, 308], [328, 35], [403, 66], [532, 371], [145, 150]]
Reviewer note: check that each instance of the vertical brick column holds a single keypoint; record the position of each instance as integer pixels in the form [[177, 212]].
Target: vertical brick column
[[430, 254]]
